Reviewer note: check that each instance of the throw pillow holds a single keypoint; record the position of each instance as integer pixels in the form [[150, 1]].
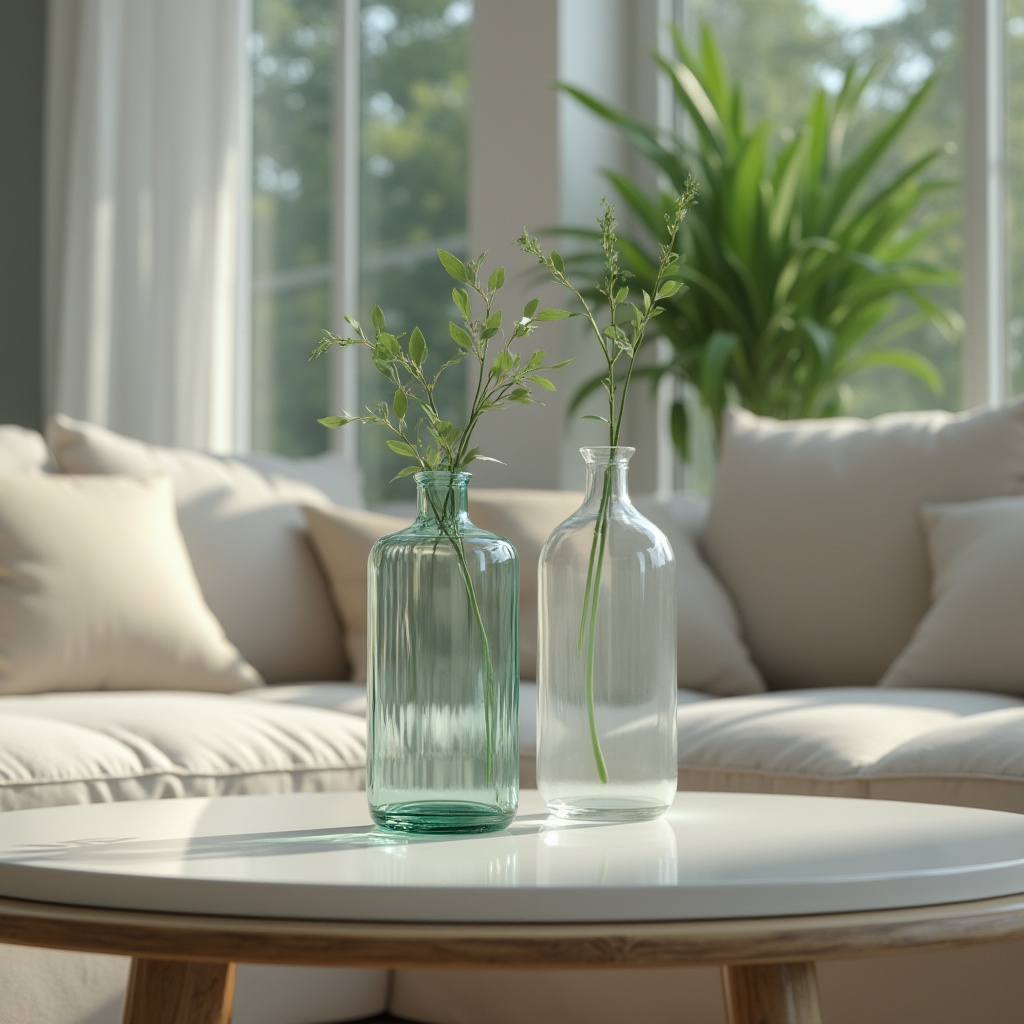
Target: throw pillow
[[814, 529], [97, 591], [711, 656], [246, 538], [21, 449], [342, 538], [524, 518], [972, 636]]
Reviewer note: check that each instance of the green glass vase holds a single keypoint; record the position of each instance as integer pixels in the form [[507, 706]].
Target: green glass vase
[[443, 670]]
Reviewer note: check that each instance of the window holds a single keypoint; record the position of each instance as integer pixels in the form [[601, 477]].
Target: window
[[413, 173], [413, 112]]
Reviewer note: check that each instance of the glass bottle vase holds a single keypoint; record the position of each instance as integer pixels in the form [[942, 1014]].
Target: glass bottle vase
[[443, 669], [606, 674]]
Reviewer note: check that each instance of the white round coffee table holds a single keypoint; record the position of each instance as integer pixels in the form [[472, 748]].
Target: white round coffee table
[[762, 885]]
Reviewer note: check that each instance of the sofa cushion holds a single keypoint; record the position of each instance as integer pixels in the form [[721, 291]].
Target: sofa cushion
[[21, 449], [814, 528], [97, 591], [524, 518], [973, 634], [92, 747], [938, 746], [711, 655], [342, 539], [246, 538]]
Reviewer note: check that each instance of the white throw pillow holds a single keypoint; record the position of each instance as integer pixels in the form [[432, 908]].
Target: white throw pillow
[[712, 657], [814, 530], [342, 539], [246, 538], [973, 635], [21, 449], [97, 591]]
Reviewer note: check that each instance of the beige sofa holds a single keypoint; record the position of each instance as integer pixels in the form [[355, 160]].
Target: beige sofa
[[849, 623]]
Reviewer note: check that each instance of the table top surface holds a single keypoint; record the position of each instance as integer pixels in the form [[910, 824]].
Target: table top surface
[[713, 856]]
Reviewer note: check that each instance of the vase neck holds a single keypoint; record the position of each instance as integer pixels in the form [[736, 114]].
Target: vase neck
[[443, 497], [607, 470]]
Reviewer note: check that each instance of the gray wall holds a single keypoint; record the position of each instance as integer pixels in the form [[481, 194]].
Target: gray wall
[[22, 61]]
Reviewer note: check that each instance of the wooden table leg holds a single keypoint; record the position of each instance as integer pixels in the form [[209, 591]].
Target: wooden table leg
[[771, 994], [179, 992]]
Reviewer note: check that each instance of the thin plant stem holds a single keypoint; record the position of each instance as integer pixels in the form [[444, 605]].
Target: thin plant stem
[[443, 516]]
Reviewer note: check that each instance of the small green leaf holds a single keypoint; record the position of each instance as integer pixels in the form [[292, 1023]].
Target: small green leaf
[[544, 383], [521, 395], [669, 288], [455, 267], [354, 324], [401, 447], [336, 421], [461, 299], [494, 320], [378, 319], [558, 366], [621, 295], [408, 471], [552, 314], [496, 280], [557, 262], [600, 419], [417, 346], [531, 308], [535, 360], [400, 404], [502, 363], [460, 335]]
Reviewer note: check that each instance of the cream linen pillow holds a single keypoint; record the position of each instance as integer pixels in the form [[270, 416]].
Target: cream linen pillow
[[814, 530], [21, 449], [973, 635], [246, 537], [712, 657], [97, 592], [342, 539], [524, 518]]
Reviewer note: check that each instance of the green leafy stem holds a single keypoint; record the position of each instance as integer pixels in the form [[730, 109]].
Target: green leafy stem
[[620, 339], [413, 419]]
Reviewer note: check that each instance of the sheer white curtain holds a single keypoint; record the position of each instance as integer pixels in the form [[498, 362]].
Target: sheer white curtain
[[147, 210]]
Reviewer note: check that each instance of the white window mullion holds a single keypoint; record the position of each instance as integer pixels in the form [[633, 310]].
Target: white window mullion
[[985, 259], [345, 233]]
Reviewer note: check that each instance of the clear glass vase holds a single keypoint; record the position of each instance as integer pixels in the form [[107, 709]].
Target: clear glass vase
[[606, 674], [443, 670]]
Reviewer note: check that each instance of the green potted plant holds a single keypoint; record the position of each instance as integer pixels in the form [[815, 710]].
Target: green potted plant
[[796, 261], [443, 595]]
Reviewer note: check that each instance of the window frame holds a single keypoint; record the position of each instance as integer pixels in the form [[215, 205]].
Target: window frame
[[564, 30]]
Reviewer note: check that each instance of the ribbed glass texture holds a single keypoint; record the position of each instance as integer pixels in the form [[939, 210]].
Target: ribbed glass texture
[[443, 670], [606, 678]]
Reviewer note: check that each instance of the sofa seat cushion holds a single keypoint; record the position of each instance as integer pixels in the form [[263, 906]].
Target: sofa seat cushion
[[934, 746], [93, 747]]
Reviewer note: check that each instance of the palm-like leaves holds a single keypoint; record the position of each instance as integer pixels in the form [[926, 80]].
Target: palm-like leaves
[[794, 265]]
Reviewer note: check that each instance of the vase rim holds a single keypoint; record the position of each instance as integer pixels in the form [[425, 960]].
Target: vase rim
[[441, 474], [606, 451]]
